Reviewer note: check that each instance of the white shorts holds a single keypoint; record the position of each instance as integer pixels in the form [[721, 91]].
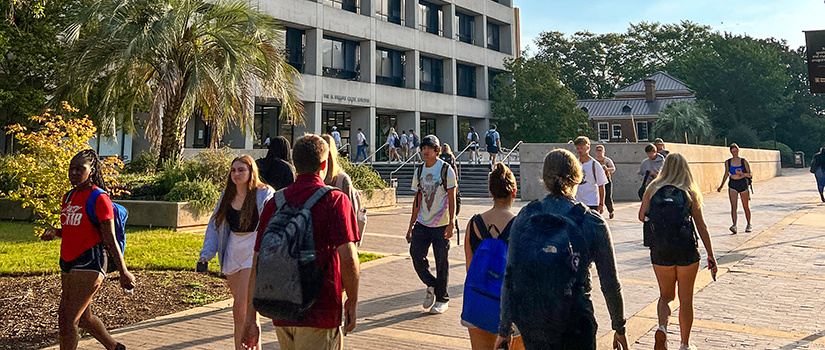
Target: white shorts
[[239, 253]]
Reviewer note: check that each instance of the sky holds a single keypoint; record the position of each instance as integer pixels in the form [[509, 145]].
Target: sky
[[785, 19]]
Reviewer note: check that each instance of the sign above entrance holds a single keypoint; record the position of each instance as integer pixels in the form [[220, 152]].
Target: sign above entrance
[[350, 100]]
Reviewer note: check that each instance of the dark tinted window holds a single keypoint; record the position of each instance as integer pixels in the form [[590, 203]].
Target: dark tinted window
[[431, 74], [466, 76]]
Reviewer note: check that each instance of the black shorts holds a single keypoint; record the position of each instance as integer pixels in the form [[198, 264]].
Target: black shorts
[[740, 185], [95, 259], [492, 149], [672, 257]]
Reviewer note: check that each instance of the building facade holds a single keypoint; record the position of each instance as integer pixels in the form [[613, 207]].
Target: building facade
[[630, 115], [381, 64]]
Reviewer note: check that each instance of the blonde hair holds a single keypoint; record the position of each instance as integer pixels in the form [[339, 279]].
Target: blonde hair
[[676, 172], [446, 149], [561, 173], [333, 165]]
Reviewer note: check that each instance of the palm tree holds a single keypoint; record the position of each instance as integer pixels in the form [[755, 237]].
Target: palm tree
[[172, 58], [680, 119]]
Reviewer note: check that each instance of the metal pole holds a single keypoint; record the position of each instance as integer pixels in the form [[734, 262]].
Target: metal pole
[[774, 134]]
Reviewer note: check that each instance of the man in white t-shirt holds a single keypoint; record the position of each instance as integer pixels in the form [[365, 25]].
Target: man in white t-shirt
[[591, 189], [404, 147], [433, 223], [473, 141], [336, 136], [362, 145]]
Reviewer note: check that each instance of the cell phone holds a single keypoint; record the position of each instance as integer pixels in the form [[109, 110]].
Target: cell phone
[[202, 266], [409, 239], [712, 274]]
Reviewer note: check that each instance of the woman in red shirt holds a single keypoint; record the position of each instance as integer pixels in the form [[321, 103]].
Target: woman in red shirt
[[83, 258]]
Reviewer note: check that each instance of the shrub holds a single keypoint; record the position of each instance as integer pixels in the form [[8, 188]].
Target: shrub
[[363, 177], [785, 152], [203, 194], [144, 163], [8, 181], [214, 164], [41, 166]]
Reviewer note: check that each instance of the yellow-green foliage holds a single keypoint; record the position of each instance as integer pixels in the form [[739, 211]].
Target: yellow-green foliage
[[42, 164]]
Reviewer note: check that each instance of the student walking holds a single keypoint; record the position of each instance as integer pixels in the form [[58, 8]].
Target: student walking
[[414, 144], [448, 157], [334, 232], [405, 145], [394, 142], [650, 167], [660, 147], [473, 141], [493, 224], [229, 234], [671, 211], [432, 222], [818, 169], [337, 137], [591, 189], [738, 173], [609, 168], [85, 250], [547, 284], [492, 139], [337, 178], [276, 168], [362, 145]]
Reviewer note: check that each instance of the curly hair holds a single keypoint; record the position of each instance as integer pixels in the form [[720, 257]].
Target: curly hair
[[95, 167]]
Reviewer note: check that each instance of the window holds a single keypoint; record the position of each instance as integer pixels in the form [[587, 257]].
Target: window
[[492, 81], [466, 82], [493, 42], [348, 5], [642, 131], [431, 76], [391, 11], [267, 123], [626, 109], [389, 67], [431, 16], [341, 58], [295, 46], [427, 127], [617, 131], [604, 132], [465, 28]]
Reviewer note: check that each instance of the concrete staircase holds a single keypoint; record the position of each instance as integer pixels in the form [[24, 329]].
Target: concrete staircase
[[472, 180]]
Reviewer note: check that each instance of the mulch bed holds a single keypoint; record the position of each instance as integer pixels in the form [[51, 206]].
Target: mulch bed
[[29, 304]]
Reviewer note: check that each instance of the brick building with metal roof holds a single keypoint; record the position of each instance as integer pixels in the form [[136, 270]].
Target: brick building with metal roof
[[629, 116]]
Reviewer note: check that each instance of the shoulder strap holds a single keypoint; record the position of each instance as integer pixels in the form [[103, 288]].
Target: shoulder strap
[[577, 212], [90, 206], [505, 233], [444, 175], [593, 165], [280, 199], [481, 227], [317, 196], [68, 196], [420, 175]]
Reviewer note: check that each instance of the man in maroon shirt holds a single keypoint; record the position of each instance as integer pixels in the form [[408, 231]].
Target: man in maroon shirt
[[335, 231]]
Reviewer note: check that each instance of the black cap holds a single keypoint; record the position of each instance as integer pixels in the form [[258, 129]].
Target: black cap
[[430, 141]]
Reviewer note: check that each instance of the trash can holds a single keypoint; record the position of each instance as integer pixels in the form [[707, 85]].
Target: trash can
[[799, 159]]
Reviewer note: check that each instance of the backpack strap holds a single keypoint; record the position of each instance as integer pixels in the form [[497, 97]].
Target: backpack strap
[[593, 165], [317, 196], [481, 227], [444, 175], [280, 199], [577, 212], [90, 206]]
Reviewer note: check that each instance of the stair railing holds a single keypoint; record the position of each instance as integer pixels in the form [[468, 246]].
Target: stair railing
[[507, 157], [344, 146], [458, 156], [373, 154], [408, 161]]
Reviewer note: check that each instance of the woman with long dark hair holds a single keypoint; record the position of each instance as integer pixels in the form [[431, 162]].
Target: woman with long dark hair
[[276, 168], [229, 233], [83, 252]]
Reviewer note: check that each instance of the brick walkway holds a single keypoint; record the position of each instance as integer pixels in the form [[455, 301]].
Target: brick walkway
[[768, 294]]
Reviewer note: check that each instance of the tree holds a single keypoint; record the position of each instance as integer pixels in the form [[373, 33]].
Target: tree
[[680, 119], [173, 58], [531, 104], [743, 78]]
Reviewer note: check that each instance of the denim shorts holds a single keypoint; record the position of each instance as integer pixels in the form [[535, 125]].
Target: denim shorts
[[95, 259]]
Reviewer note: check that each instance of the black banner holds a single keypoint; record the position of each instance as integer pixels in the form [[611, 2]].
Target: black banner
[[816, 60]]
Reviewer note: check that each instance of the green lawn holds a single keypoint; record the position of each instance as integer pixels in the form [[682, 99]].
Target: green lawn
[[22, 253]]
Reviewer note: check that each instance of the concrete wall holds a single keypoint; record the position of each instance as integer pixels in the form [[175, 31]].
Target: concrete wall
[[706, 164]]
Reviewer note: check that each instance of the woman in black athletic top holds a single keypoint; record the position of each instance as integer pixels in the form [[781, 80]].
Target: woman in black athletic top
[[738, 173]]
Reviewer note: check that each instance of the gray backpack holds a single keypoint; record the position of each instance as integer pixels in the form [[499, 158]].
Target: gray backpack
[[287, 280]]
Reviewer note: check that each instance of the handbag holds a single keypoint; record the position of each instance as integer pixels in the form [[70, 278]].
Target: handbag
[[644, 185]]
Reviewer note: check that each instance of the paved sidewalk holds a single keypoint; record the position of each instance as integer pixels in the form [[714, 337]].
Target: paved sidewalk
[[768, 294]]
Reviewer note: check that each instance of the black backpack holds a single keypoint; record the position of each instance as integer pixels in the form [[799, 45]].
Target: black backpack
[[444, 183], [474, 137], [548, 264], [287, 279], [396, 141], [668, 223], [489, 138]]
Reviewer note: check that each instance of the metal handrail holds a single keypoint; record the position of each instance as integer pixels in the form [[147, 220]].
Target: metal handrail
[[459, 157], [343, 146], [403, 164], [507, 157], [373, 154]]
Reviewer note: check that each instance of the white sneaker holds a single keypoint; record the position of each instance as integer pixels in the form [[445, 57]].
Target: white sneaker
[[687, 347], [439, 308], [748, 228], [429, 298], [733, 229]]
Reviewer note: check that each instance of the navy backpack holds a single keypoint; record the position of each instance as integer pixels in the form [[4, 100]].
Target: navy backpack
[[482, 288]]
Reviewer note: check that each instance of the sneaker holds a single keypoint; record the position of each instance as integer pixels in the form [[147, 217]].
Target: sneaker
[[687, 347], [120, 346], [661, 339], [429, 299], [748, 228], [439, 308], [733, 229]]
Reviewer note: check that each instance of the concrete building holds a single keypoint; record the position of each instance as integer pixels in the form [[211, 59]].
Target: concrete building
[[630, 115], [375, 64]]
